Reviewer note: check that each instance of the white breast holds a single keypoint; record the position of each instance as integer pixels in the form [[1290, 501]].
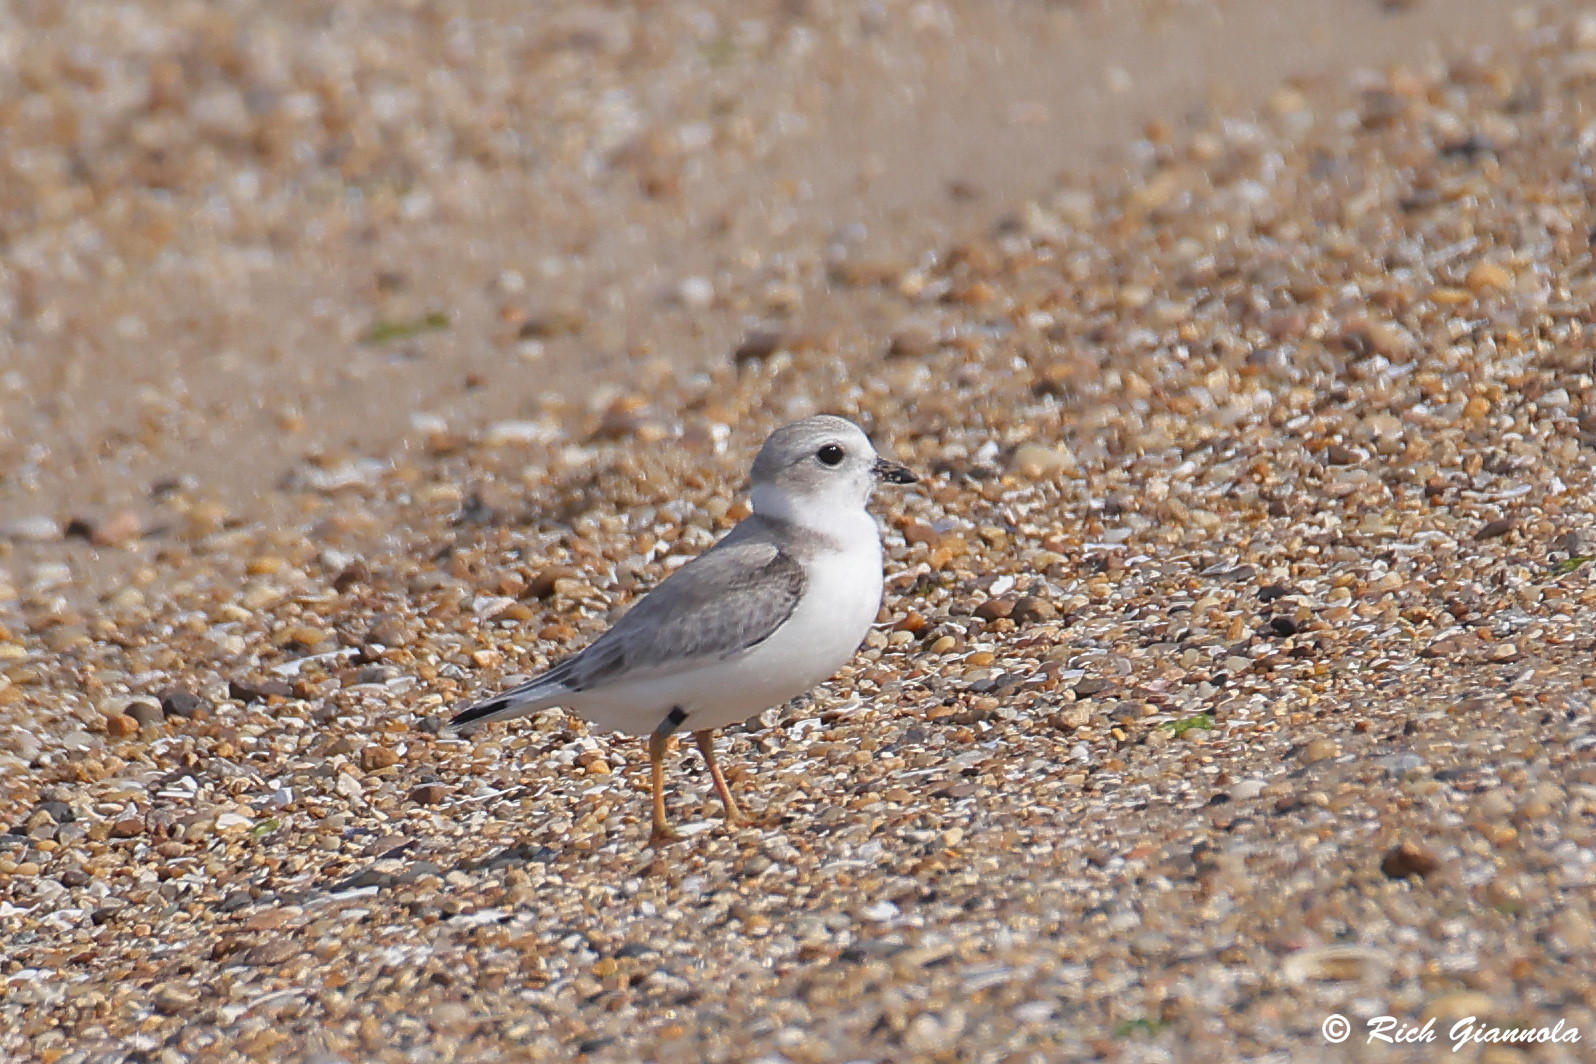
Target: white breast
[[841, 597]]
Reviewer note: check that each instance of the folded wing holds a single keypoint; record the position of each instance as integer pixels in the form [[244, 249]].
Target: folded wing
[[730, 598]]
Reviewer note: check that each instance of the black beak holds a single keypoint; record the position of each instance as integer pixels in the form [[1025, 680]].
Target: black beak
[[893, 473]]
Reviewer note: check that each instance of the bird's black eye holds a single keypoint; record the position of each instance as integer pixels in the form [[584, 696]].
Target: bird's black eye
[[829, 455]]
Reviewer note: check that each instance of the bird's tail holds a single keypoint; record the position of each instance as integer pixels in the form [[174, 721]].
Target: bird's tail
[[516, 702]]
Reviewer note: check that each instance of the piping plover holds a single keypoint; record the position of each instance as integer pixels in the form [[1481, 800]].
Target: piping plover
[[777, 606]]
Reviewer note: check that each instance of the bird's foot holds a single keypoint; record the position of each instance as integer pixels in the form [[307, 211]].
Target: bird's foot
[[662, 835]]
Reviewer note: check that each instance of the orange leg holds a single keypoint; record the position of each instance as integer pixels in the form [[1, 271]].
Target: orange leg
[[706, 746], [658, 747]]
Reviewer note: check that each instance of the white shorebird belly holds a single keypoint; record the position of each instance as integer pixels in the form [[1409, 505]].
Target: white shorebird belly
[[842, 596]]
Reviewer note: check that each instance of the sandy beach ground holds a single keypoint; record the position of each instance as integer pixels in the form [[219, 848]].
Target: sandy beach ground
[[1234, 667]]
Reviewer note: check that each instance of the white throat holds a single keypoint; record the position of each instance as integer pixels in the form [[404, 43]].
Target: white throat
[[836, 515]]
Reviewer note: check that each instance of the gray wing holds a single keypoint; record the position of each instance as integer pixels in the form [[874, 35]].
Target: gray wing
[[730, 598]]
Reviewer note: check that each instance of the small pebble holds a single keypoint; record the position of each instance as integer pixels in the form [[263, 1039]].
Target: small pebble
[[176, 702], [145, 712], [1036, 461], [1409, 858], [1319, 750], [992, 609], [127, 828], [429, 793], [36, 529], [373, 758], [252, 691]]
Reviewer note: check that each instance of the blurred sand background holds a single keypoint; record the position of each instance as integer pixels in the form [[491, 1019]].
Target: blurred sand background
[[207, 213]]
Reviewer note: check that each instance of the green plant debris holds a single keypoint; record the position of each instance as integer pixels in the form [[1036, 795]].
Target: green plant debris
[[1140, 1025], [720, 51], [388, 331], [1186, 724]]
